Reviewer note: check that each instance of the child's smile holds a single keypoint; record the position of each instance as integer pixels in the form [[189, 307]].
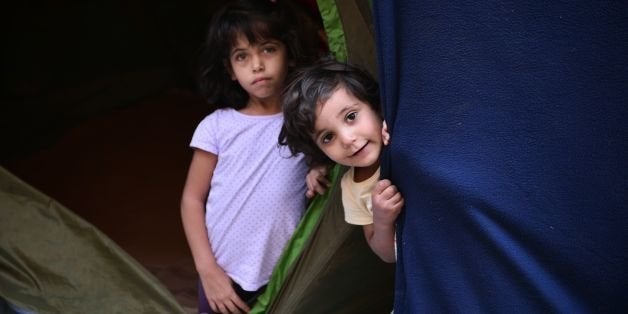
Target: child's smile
[[360, 151], [348, 130]]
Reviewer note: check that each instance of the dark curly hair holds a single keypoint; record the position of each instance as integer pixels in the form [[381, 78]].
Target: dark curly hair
[[257, 20], [311, 87]]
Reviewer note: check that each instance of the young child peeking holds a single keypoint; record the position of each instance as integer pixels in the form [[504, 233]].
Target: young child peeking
[[332, 114]]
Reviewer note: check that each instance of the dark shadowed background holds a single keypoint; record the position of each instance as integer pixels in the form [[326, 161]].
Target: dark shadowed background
[[98, 104]]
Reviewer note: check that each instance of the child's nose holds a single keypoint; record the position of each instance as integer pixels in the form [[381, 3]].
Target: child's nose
[[347, 137], [258, 65]]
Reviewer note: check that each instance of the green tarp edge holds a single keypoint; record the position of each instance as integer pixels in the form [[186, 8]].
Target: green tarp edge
[[333, 28], [295, 247], [53, 261]]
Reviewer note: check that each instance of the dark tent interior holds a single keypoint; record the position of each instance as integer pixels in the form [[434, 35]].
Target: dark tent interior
[[98, 107]]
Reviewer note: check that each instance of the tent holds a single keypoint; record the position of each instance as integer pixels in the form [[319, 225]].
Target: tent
[[53, 261], [509, 143]]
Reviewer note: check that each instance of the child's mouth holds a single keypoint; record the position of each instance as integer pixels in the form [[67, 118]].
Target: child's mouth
[[261, 79], [359, 150]]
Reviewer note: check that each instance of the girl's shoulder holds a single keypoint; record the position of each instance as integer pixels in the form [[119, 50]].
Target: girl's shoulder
[[221, 114], [230, 114], [229, 118]]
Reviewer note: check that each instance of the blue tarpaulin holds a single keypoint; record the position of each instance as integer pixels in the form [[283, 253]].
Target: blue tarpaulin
[[509, 144]]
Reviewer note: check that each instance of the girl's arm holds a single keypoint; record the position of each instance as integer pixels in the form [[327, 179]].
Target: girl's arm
[[387, 203], [217, 285]]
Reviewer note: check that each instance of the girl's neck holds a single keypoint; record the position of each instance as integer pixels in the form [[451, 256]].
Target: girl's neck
[[362, 173], [262, 107]]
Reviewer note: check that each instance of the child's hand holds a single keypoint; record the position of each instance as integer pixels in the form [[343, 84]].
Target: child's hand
[[316, 181], [220, 294], [387, 202]]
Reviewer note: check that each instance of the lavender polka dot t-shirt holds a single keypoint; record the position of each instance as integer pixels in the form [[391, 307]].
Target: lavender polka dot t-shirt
[[257, 193]]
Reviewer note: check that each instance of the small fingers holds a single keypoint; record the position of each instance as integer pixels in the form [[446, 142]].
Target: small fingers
[[235, 305], [387, 197], [310, 184], [381, 186], [322, 170], [321, 188], [231, 308], [397, 201], [316, 181], [324, 181], [386, 189], [221, 308], [241, 306]]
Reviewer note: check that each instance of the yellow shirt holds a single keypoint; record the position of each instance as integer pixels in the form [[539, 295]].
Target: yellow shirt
[[356, 198]]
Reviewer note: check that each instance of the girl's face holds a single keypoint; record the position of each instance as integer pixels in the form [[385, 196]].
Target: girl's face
[[348, 130], [260, 68]]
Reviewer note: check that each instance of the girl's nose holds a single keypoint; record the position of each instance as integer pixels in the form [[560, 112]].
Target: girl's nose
[[346, 137], [258, 65]]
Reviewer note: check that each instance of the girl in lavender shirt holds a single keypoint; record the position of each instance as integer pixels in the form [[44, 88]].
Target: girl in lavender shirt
[[244, 194]]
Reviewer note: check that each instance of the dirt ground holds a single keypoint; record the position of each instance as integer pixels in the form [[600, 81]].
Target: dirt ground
[[124, 172]]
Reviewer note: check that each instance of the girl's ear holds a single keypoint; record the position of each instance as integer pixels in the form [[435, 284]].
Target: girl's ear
[[385, 134]]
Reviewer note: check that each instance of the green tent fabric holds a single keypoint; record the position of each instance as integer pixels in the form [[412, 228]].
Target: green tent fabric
[[328, 267], [52, 261], [334, 270], [350, 34]]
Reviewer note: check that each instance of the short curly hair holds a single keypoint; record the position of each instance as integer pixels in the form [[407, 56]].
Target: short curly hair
[[312, 86]]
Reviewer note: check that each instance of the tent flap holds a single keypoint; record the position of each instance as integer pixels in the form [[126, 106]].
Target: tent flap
[[52, 261], [509, 145]]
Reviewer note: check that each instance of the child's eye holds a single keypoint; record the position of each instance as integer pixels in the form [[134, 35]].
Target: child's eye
[[239, 57], [351, 116], [326, 138], [269, 49]]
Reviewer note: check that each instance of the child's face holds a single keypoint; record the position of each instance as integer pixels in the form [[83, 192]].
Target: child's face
[[348, 131], [261, 68]]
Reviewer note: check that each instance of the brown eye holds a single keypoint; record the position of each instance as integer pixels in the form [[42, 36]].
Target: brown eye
[[269, 49], [351, 116], [239, 57], [326, 138]]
